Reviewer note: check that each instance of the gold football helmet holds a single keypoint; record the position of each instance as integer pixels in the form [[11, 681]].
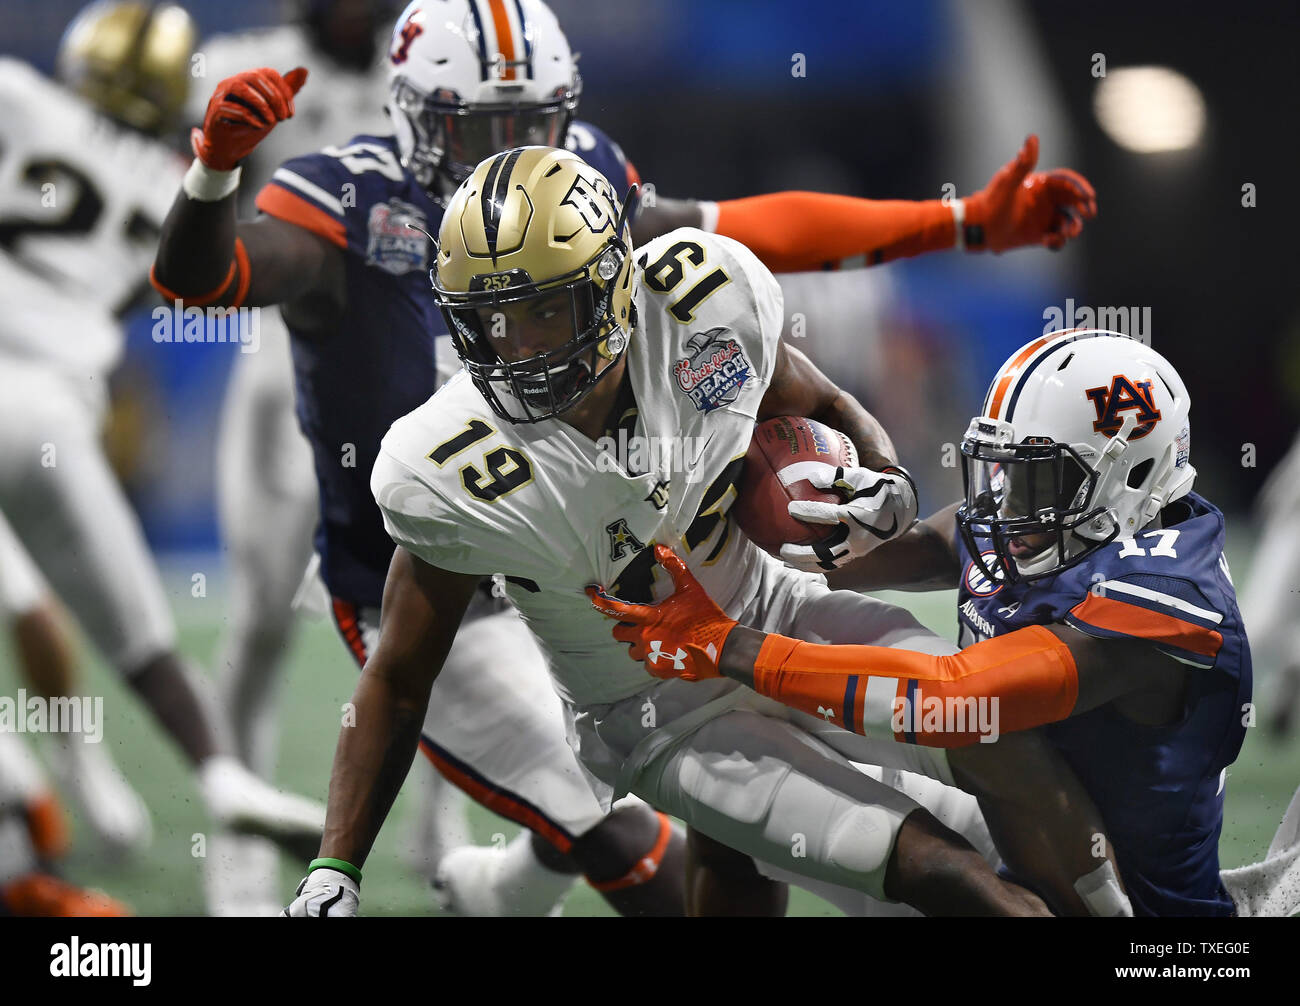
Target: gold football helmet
[[131, 60], [535, 278]]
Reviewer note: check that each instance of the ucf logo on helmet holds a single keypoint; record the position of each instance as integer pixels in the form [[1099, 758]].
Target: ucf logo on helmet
[[1124, 395], [595, 203]]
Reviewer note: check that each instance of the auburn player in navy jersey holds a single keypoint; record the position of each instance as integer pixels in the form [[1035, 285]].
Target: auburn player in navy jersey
[[340, 246], [1094, 597]]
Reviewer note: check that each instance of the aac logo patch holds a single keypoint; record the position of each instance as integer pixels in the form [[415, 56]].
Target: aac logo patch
[[621, 540], [715, 371], [1124, 395]]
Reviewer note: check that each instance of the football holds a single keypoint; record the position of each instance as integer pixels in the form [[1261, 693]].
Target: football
[[761, 504]]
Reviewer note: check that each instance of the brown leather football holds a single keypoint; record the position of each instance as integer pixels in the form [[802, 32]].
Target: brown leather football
[[760, 507]]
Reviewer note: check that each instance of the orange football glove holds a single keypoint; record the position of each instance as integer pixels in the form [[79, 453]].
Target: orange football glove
[[242, 110], [680, 637], [1018, 208]]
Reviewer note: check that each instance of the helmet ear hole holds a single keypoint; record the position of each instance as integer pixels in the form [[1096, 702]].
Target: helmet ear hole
[[1138, 474]]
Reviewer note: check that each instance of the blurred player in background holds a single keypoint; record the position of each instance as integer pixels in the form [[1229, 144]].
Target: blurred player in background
[[267, 500], [47, 660], [32, 836], [463, 87], [83, 190], [1269, 601]]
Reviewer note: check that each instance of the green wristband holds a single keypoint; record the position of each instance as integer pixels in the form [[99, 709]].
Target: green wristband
[[342, 865]]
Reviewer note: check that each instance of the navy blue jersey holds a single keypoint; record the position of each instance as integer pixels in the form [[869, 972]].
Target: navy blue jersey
[[1160, 790], [379, 362]]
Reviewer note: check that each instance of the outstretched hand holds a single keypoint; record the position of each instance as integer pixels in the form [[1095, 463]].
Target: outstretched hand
[[1021, 207], [680, 637]]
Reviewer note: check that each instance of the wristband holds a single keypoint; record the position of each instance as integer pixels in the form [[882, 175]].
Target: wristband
[[899, 469], [959, 222], [206, 185], [342, 865]]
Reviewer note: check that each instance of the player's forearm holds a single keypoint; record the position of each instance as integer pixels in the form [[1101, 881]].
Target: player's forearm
[[1046, 827], [845, 413], [920, 559], [196, 252], [801, 231], [371, 761], [1021, 680]]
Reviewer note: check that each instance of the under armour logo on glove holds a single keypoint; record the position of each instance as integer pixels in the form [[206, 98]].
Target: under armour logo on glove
[[686, 629], [656, 651], [881, 505]]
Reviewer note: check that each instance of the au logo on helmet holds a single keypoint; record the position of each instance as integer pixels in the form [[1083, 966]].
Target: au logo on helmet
[[406, 32], [1124, 395]]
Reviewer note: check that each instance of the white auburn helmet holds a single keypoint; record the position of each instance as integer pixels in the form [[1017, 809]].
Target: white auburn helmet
[[1084, 437], [470, 78]]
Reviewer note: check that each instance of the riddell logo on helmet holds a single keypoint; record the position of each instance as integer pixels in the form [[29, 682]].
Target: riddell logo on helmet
[[1124, 395]]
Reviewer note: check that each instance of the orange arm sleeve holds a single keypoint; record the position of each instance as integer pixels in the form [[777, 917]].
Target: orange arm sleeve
[[802, 231], [1013, 682]]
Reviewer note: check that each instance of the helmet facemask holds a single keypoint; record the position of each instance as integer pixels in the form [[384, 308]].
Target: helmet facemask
[[443, 136], [1019, 492]]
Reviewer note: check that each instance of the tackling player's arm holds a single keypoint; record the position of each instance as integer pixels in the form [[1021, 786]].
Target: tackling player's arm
[[1043, 822], [1038, 674], [802, 231], [205, 255]]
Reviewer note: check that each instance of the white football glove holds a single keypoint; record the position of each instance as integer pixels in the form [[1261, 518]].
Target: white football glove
[[324, 893], [881, 505]]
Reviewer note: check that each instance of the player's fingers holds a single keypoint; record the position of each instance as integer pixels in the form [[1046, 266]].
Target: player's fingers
[[295, 78], [244, 91], [611, 606], [1066, 192], [1014, 172], [677, 569], [268, 83], [813, 512], [235, 115], [819, 474], [800, 557], [1028, 155], [625, 632], [1077, 180]]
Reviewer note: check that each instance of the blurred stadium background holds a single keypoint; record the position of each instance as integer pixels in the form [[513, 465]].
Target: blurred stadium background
[[896, 100]]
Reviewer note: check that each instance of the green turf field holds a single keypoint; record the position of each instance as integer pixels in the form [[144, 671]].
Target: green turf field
[[166, 881]]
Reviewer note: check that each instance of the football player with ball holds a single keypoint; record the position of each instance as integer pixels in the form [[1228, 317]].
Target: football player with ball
[[567, 334]]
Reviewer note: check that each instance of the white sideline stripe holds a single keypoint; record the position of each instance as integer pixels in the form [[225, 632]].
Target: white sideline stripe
[[296, 181], [1117, 587]]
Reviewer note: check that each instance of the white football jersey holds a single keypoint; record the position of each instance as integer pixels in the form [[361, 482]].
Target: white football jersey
[[335, 104], [82, 201], [553, 511]]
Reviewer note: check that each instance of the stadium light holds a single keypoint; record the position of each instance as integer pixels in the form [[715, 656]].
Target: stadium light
[[1149, 109]]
